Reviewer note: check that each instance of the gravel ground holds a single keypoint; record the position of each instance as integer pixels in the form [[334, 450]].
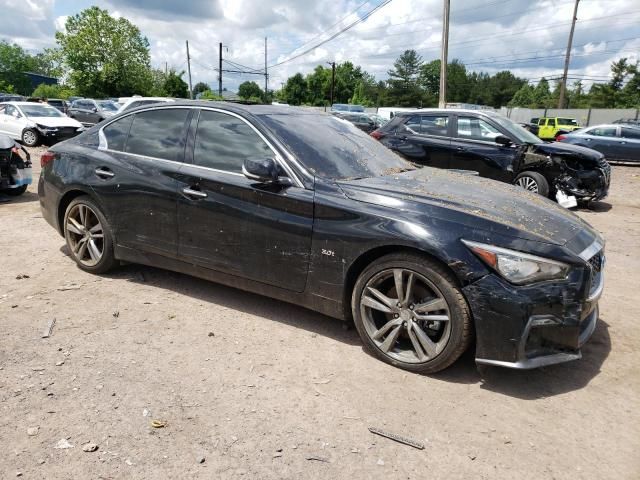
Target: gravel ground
[[248, 387]]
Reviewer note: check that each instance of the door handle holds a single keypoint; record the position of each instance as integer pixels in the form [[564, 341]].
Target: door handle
[[190, 192], [461, 149], [104, 173], [623, 143]]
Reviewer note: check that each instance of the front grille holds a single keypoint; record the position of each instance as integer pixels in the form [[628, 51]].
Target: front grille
[[596, 262], [66, 131], [605, 168]]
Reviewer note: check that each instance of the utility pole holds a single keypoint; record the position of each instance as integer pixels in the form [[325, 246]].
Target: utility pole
[[266, 74], [563, 85], [189, 70], [220, 70], [442, 100], [333, 79], [166, 69]]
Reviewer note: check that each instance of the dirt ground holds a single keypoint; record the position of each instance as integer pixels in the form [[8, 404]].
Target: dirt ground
[[251, 387]]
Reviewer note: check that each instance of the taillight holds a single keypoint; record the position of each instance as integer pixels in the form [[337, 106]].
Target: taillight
[[46, 158], [560, 138], [377, 134]]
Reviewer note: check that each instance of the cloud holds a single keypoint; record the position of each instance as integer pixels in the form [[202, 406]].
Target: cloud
[[528, 38], [165, 9]]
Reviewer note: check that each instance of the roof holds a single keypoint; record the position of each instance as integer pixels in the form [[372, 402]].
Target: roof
[[448, 110], [253, 109]]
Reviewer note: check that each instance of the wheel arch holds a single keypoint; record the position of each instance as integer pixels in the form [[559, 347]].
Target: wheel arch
[[64, 202], [371, 255]]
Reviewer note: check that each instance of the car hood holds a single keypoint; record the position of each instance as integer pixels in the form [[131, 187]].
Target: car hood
[[56, 121], [477, 202], [564, 149]]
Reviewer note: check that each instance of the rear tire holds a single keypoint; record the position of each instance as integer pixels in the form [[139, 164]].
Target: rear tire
[[88, 236], [533, 182], [423, 331], [14, 192]]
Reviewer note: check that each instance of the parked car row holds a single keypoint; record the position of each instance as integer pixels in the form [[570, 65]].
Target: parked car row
[[497, 148], [36, 121], [424, 261]]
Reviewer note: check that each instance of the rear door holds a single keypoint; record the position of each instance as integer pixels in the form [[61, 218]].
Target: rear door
[[423, 139], [630, 143], [135, 177], [474, 148], [229, 223], [12, 122]]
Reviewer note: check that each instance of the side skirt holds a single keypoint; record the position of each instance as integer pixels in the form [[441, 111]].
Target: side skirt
[[319, 304]]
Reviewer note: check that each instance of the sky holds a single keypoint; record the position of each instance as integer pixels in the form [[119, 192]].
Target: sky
[[527, 37]]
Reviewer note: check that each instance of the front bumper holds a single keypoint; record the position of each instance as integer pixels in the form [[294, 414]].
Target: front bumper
[[61, 133], [587, 184], [533, 326]]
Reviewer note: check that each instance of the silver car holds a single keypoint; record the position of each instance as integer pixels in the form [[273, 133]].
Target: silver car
[[616, 142]]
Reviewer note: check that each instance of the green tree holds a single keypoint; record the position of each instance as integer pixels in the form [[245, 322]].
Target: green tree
[[107, 56], [319, 86], [542, 94], [247, 89], [200, 87], [175, 86], [404, 90], [295, 90], [524, 97], [209, 95], [53, 91], [14, 61]]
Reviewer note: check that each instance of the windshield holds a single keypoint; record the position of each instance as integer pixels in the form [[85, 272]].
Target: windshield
[[107, 105], [37, 110], [567, 121], [521, 134], [334, 148]]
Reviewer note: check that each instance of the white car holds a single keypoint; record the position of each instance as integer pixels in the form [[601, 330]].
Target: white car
[[34, 123], [135, 102]]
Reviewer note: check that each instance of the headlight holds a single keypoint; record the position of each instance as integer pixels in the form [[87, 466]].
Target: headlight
[[45, 129], [517, 267]]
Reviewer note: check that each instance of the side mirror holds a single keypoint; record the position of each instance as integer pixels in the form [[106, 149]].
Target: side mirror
[[263, 171], [94, 109], [503, 140]]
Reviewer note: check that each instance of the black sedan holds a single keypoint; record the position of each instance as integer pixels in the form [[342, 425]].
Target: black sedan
[[497, 148], [306, 208]]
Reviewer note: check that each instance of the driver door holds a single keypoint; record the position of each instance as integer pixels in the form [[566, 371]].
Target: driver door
[[229, 223]]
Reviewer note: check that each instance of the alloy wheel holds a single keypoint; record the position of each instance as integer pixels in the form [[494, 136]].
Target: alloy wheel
[[29, 137], [85, 235], [528, 183], [405, 315]]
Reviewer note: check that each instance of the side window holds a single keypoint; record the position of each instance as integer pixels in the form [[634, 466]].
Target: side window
[[413, 125], [158, 133], [11, 110], [2, 107], [224, 142], [476, 129], [116, 133], [603, 132], [631, 133], [434, 125]]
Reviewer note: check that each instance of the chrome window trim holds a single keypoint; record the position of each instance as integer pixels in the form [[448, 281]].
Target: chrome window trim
[[103, 145]]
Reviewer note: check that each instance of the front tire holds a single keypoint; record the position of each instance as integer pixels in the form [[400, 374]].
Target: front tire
[[30, 137], [88, 236], [533, 182], [410, 313]]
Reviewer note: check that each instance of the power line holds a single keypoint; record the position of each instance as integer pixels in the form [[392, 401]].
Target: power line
[[512, 33], [339, 32]]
